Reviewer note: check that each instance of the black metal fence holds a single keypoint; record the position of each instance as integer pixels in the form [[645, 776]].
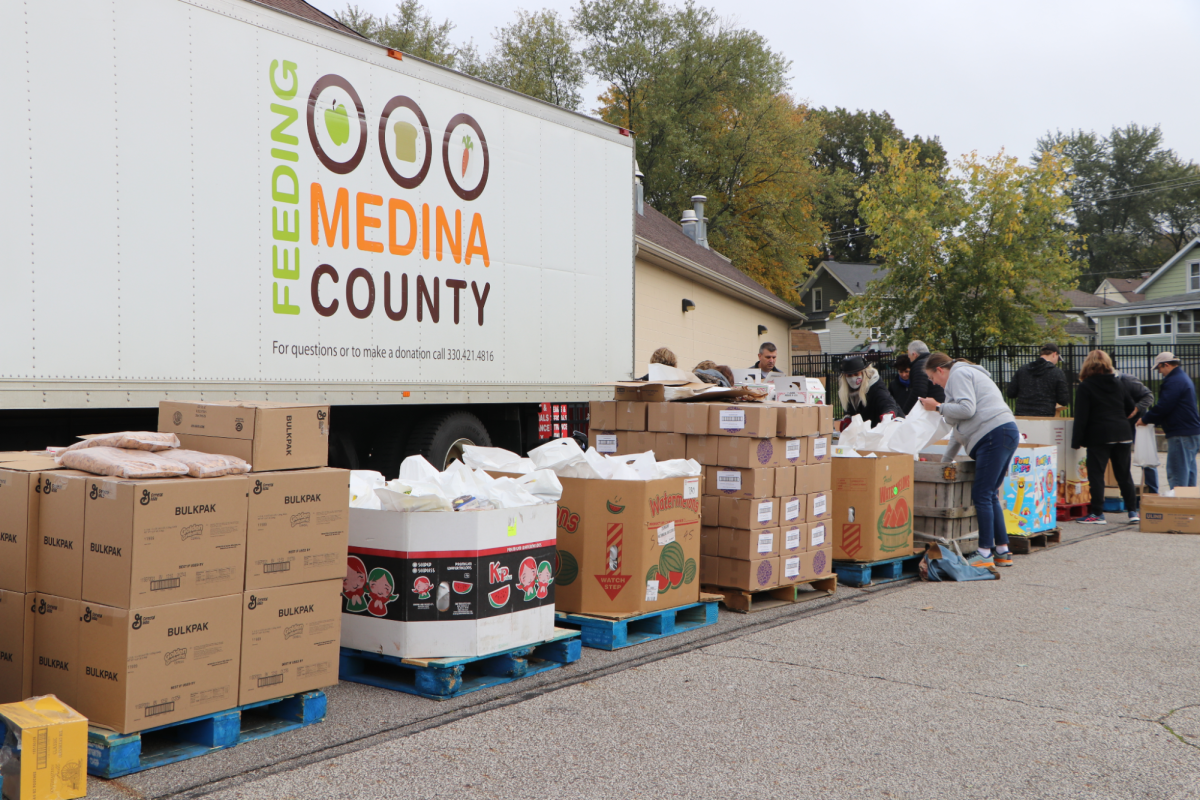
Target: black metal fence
[[1003, 362]]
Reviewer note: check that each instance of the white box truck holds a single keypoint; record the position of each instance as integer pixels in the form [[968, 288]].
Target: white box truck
[[219, 199]]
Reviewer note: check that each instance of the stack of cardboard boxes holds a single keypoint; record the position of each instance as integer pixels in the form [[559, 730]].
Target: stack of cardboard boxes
[[766, 483], [147, 602]]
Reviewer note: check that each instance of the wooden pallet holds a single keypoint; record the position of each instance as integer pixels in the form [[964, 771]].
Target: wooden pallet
[[111, 755], [444, 678], [746, 602], [613, 633], [854, 573], [1024, 545], [1071, 511]]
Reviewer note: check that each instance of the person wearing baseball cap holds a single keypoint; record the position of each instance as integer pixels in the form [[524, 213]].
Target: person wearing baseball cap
[[1178, 415]]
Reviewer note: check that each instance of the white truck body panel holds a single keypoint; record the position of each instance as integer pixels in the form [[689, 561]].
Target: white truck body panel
[[145, 185]]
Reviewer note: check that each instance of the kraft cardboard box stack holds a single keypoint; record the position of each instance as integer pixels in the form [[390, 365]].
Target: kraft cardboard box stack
[[270, 436], [872, 507]]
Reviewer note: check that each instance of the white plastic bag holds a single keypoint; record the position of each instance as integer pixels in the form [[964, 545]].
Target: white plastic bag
[[679, 468], [416, 468], [363, 483], [852, 436], [496, 459], [1145, 447], [914, 433]]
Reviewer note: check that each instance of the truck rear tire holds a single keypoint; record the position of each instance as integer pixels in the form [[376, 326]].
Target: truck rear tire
[[440, 438]]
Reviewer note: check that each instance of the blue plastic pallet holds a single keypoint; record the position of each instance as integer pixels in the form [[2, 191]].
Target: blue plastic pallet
[[444, 678], [854, 573], [1114, 504], [111, 755], [613, 634]]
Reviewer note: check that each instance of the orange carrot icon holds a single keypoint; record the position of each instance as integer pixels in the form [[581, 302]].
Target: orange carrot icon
[[468, 146]]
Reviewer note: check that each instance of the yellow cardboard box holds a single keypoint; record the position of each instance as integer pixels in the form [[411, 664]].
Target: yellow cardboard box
[[52, 738]]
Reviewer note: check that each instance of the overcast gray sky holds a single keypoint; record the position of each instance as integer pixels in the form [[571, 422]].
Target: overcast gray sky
[[979, 75]]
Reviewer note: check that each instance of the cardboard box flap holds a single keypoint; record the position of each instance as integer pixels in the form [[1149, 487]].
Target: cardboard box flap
[[33, 464]]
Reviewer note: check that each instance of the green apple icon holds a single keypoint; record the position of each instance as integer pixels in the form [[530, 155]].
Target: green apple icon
[[337, 122]]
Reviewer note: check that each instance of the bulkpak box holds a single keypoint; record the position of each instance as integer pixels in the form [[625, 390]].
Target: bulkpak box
[[1170, 514], [754, 420], [872, 514], [270, 436], [291, 638], [50, 740], [19, 509], [298, 526], [1030, 490], [441, 584], [145, 668], [154, 542], [1057, 431], [60, 539], [56, 663], [16, 645], [628, 547]]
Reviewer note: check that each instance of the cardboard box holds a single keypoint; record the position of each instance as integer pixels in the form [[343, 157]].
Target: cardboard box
[[690, 418], [660, 417], [820, 449], [51, 739], [154, 542], [748, 483], [151, 667], [825, 420], [1170, 514], [752, 576], [444, 584], [17, 612], [271, 436], [793, 509], [1030, 490], [756, 421], [620, 443], [785, 481], [740, 451], [807, 566], [19, 509], [709, 541], [740, 513], [795, 420], [818, 535], [872, 514], [602, 415], [1057, 431], [748, 544], [60, 533], [814, 478], [793, 538], [630, 416], [710, 510], [55, 660], [298, 527], [795, 452], [710, 570], [291, 638], [639, 391], [668, 446], [624, 534], [818, 506], [604, 441], [704, 449]]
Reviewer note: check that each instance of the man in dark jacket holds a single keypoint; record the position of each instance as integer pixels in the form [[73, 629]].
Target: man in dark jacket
[[1142, 398], [919, 384], [767, 353], [1040, 385], [1177, 413]]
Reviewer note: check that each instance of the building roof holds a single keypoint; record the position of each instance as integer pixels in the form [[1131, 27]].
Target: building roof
[[1175, 302], [655, 228], [1172, 261], [301, 9], [853, 277], [1081, 299], [1126, 287]]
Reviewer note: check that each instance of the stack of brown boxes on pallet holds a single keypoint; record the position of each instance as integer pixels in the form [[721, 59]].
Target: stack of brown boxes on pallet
[[148, 602]]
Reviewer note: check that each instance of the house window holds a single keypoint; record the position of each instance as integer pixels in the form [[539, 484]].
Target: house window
[[1188, 322], [1144, 325], [1194, 276], [817, 300], [876, 334]]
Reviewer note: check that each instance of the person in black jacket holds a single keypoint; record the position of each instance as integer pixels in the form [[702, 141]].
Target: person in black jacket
[[1142, 398], [863, 392], [1040, 386], [1102, 411], [920, 385], [900, 385]]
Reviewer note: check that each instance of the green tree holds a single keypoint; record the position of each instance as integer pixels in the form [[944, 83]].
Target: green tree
[[534, 55], [843, 154], [412, 30], [975, 257]]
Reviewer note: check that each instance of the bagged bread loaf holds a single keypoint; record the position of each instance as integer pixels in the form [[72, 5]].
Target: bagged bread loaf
[[206, 465], [129, 440], [120, 463]]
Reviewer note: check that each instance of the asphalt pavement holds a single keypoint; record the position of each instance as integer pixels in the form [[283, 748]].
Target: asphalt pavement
[[1074, 676]]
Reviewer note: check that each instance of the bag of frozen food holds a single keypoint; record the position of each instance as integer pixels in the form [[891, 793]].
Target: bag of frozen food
[[207, 465], [129, 440], [120, 463]]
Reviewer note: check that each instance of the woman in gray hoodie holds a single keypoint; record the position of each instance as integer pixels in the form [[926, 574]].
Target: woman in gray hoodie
[[983, 425]]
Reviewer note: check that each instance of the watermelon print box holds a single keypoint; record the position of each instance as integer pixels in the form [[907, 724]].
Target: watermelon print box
[[449, 584], [872, 507]]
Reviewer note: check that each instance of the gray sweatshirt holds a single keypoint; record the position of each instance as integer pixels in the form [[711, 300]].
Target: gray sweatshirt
[[974, 407]]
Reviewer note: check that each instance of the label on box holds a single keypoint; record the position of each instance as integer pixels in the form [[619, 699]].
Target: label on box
[[821, 447], [103, 490], [765, 510], [791, 538], [651, 591], [733, 419], [819, 505], [606, 443], [791, 510], [691, 488], [789, 395], [765, 542], [729, 481], [791, 567], [666, 533], [792, 449], [818, 536]]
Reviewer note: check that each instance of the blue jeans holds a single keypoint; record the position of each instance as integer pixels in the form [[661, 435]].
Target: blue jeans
[[1181, 460], [992, 455], [1150, 479]]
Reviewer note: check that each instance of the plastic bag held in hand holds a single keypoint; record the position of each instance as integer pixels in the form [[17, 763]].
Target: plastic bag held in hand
[[916, 431], [851, 435], [1145, 447]]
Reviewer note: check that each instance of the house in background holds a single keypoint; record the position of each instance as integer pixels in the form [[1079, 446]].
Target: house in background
[[1121, 290], [831, 283], [1170, 312]]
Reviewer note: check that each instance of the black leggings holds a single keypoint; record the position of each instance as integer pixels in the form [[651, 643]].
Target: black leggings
[[1098, 457]]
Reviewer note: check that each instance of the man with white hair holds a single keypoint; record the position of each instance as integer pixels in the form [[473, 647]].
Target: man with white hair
[[919, 384]]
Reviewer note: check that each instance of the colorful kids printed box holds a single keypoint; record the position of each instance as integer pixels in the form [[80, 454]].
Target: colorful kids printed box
[[449, 583], [1030, 490]]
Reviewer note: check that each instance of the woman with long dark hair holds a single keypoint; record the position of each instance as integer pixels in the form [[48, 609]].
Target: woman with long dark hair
[[1103, 407]]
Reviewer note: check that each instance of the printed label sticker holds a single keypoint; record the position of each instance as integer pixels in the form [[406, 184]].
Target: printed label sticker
[[791, 511], [792, 538], [820, 447], [819, 505], [691, 488], [766, 510], [606, 443], [818, 536], [729, 481], [791, 567], [651, 591], [792, 449], [765, 542], [666, 533], [733, 418]]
